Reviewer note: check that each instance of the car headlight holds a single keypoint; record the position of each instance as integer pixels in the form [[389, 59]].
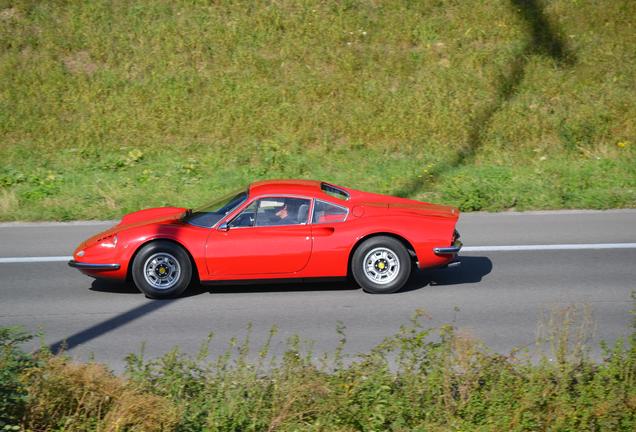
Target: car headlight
[[109, 242]]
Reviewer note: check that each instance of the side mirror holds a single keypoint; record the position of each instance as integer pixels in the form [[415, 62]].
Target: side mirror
[[224, 227]]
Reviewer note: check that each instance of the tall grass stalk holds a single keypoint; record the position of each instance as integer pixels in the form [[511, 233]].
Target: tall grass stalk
[[419, 379]]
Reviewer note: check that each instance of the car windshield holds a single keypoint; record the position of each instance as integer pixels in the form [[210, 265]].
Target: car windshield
[[208, 215]]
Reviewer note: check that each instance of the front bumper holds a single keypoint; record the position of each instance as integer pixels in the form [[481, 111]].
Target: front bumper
[[92, 266]]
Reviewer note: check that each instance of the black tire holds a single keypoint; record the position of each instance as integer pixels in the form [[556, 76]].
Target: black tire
[[175, 276], [381, 254]]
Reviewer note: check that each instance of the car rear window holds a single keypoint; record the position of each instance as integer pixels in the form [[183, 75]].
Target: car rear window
[[334, 191], [325, 212]]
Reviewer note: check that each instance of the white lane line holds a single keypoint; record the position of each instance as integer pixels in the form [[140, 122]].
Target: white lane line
[[34, 259], [515, 248], [56, 224]]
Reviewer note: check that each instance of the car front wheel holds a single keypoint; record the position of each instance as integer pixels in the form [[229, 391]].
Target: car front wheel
[[162, 269], [381, 265]]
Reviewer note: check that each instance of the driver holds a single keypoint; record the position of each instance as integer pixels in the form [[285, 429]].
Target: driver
[[288, 213], [283, 214]]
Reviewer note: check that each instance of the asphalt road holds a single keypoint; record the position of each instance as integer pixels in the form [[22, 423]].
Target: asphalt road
[[498, 297]]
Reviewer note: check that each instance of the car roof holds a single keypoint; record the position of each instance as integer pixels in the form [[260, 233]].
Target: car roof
[[285, 186], [293, 187]]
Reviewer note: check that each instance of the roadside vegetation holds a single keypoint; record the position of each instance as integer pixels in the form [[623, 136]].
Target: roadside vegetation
[[418, 380], [109, 106]]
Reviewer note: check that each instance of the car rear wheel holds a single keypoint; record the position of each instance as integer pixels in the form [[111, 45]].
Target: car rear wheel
[[162, 269], [381, 265]]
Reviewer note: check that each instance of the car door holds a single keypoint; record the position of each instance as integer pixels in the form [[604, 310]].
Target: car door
[[270, 236]]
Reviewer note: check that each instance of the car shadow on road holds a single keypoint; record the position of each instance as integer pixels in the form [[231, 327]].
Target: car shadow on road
[[278, 286], [114, 287], [472, 269]]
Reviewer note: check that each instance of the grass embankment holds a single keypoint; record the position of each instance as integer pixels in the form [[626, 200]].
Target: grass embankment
[[417, 380], [106, 107]]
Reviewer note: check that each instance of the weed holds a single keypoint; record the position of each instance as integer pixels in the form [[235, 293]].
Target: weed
[[418, 379], [13, 363]]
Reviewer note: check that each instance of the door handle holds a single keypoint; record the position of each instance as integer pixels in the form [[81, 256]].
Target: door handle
[[322, 231]]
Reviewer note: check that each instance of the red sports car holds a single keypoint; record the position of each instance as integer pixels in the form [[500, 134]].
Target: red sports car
[[279, 229]]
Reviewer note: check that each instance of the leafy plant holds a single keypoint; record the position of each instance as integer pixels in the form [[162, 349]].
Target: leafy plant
[[421, 378], [13, 363]]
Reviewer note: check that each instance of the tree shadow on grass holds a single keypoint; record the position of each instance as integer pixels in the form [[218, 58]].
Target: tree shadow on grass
[[545, 41]]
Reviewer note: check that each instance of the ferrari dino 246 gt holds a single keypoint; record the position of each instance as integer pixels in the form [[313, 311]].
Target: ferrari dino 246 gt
[[280, 229]]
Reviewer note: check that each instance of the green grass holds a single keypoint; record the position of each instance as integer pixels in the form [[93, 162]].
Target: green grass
[[417, 380], [107, 107]]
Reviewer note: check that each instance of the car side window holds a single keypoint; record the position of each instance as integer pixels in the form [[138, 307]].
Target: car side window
[[282, 211], [325, 212], [246, 218]]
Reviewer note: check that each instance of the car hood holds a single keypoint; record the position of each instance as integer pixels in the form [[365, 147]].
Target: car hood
[[157, 215], [152, 215]]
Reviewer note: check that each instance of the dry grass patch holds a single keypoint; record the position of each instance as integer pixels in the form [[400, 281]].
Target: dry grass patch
[[8, 202], [73, 396], [80, 63]]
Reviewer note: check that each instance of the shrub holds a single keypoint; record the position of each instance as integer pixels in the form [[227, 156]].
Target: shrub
[[419, 379], [13, 364]]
